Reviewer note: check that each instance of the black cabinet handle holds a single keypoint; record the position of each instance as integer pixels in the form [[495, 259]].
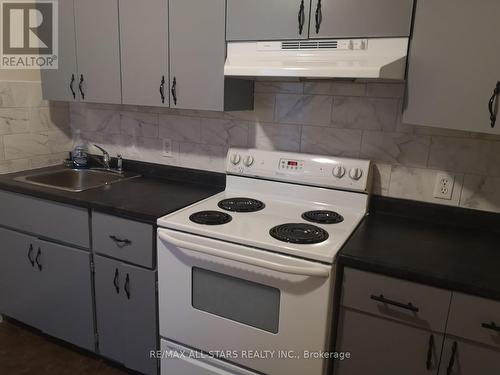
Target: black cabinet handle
[[127, 286], [452, 359], [37, 259], [301, 17], [407, 306], [493, 105], [174, 90], [30, 258], [115, 281], [430, 350], [492, 326], [318, 16], [71, 86], [121, 242], [80, 87], [162, 89]]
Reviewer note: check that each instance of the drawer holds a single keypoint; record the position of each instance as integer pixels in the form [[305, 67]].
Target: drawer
[[472, 318], [126, 240], [404, 301], [45, 218], [178, 360]]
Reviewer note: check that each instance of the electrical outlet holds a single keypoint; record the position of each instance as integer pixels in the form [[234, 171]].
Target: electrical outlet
[[443, 189], [167, 147]]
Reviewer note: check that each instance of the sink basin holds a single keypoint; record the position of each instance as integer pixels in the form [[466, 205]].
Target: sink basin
[[75, 180]]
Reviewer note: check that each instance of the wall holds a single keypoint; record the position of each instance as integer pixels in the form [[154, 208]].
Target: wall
[[33, 132], [325, 117]]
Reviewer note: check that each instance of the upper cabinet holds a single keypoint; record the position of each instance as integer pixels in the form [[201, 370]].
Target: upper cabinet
[[267, 19], [61, 84], [360, 18], [98, 50], [144, 52], [454, 66]]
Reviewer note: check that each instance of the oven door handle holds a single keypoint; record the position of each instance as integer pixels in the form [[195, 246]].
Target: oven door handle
[[294, 270]]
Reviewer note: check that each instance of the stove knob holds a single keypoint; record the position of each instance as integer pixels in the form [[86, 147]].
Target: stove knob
[[356, 173], [248, 161], [235, 159], [338, 171]]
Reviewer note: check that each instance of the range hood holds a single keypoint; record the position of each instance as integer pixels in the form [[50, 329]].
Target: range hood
[[338, 58]]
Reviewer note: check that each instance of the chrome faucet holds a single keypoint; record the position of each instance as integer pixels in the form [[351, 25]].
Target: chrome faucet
[[106, 159]]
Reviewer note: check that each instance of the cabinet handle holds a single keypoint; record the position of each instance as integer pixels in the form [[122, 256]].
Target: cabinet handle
[[162, 89], [301, 17], [115, 281], [174, 90], [37, 259], [407, 306], [430, 350], [127, 286], [491, 326], [80, 87], [121, 242], [318, 16], [452, 359], [71, 86], [30, 258], [493, 105]]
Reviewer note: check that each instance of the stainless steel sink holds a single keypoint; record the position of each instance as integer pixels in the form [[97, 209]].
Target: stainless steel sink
[[75, 180]]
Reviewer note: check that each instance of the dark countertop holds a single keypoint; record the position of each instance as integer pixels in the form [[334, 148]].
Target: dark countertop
[[450, 248], [159, 191]]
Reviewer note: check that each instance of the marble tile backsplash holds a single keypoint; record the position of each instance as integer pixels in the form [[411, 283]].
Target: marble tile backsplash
[[33, 133], [352, 119]]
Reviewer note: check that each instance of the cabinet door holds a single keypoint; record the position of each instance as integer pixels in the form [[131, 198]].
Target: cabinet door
[[19, 288], [267, 19], [144, 53], [98, 50], [197, 54], [140, 318], [61, 83], [65, 298], [380, 347], [109, 281], [451, 76], [360, 18], [467, 358]]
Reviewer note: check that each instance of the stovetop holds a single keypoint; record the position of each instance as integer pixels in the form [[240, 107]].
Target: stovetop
[[295, 204]]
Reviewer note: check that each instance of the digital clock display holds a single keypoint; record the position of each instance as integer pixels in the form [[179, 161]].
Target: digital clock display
[[292, 163]]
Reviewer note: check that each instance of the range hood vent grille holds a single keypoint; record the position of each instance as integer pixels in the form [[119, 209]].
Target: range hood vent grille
[[309, 44]]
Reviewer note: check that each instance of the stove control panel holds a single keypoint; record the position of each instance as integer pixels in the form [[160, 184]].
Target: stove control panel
[[307, 169]]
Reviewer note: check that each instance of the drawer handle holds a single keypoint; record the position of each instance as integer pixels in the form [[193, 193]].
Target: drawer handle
[[301, 17], [121, 242], [115, 281], [429, 353], [30, 258], [491, 326], [127, 286], [493, 104], [451, 364], [407, 306], [37, 259]]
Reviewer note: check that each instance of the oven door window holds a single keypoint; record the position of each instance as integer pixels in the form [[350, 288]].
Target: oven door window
[[243, 301]]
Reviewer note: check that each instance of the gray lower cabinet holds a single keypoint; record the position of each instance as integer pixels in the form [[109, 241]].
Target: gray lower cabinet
[[453, 65], [461, 357], [47, 286], [126, 313], [144, 52], [360, 18], [380, 346], [98, 50], [62, 83], [267, 19]]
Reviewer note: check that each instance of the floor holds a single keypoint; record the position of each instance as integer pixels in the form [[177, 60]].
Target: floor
[[26, 352]]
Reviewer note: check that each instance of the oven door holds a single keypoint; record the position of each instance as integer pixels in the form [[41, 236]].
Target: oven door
[[262, 310]]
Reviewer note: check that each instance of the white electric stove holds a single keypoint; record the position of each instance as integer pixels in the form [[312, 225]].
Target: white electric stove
[[252, 268]]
